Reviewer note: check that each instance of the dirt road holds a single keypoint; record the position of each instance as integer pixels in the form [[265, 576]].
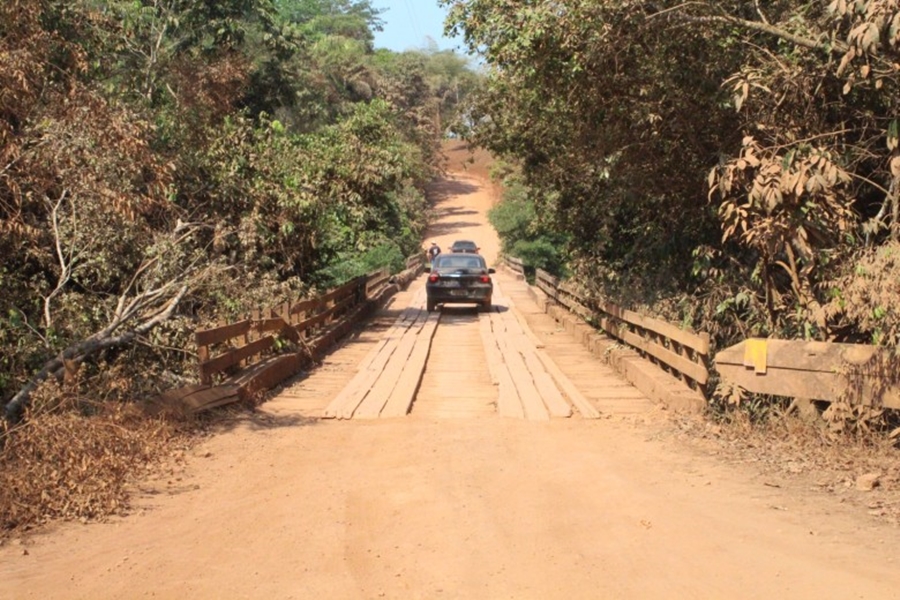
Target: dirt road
[[468, 504]]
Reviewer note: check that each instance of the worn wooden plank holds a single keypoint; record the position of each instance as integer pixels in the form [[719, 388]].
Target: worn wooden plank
[[523, 322], [817, 385], [573, 300], [324, 316], [348, 399], [803, 354], [175, 395], [305, 306], [210, 398], [351, 288], [268, 374], [543, 383], [217, 335], [394, 332], [515, 264], [697, 342], [565, 384], [233, 357], [377, 279], [532, 404], [805, 369], [378, 396], [400, 401], [695, 371], [509, 403], [491, 352], [277, 325]]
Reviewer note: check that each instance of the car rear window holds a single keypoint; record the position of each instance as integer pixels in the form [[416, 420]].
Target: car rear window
[[460, 262]]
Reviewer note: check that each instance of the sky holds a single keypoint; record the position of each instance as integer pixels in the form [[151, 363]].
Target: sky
[[410, 23]]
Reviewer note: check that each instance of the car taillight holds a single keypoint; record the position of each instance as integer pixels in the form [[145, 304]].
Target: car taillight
[[485, 279], [433, 277]]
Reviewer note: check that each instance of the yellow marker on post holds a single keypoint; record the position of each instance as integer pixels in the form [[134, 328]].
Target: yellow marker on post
[[755, 350]]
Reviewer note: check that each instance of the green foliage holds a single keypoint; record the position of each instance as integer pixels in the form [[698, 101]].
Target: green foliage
[[152, 142], [764, 138], [387, 255], [521, 233]]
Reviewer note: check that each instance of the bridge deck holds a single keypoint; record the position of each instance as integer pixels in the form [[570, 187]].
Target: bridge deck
[[515, 361]]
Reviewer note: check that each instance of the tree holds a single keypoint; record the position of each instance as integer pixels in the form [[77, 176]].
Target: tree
[[618, 112]]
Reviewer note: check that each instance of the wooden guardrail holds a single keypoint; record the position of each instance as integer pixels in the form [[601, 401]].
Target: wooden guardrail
[[810, 370], [682, 353], [239, 344], [239, 359], [515, 265]]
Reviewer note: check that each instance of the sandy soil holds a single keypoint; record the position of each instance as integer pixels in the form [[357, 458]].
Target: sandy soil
[[485, 507]]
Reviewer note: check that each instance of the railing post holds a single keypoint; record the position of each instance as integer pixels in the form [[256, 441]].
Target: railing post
[[202, 357]]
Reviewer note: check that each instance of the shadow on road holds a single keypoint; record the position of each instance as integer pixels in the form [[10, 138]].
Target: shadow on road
[[443, 189], [440, 229]]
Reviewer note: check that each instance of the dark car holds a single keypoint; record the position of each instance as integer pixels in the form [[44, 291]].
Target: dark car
[[467, 246], [459, 278]]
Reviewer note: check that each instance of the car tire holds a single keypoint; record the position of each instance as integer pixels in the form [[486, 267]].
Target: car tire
[[430, 305], [486, 306]]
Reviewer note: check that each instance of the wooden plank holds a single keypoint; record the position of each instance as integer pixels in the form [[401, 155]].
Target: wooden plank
[[804, 355], [573, 300], [531, 399], [816, 385], [515, 264], [401, 400], [322, 317], [805, 369], [233, 357], [509, 403], [697, 342], [491, 352], [349, 398], [695, 371], [549, 280], [217, 335], [348, 289], [381, 391], [175, 395], [395, 331], [523, 323], [543, 383], [304, 306], [583, 405], [268, 374], [380, 360], [210, 398], [279, 326]]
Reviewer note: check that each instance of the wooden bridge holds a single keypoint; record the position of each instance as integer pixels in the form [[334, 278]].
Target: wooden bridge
[[370, 349]]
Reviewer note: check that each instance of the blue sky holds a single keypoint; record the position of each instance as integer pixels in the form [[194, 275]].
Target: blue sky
[[409, 24]]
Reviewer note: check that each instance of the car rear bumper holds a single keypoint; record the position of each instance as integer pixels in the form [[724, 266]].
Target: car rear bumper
[[459, 296]]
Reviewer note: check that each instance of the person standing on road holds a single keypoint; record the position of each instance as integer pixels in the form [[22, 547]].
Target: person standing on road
[[433, 252]]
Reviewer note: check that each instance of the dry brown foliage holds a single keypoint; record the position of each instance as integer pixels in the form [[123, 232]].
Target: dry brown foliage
[[73, 459]]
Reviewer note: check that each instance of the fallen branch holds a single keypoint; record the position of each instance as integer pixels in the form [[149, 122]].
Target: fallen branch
[[97, 342]]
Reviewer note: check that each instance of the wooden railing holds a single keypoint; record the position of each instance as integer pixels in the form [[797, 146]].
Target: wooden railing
[[682, 353], [236, 360], [858, 374], [515, 265], [221, 348]]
